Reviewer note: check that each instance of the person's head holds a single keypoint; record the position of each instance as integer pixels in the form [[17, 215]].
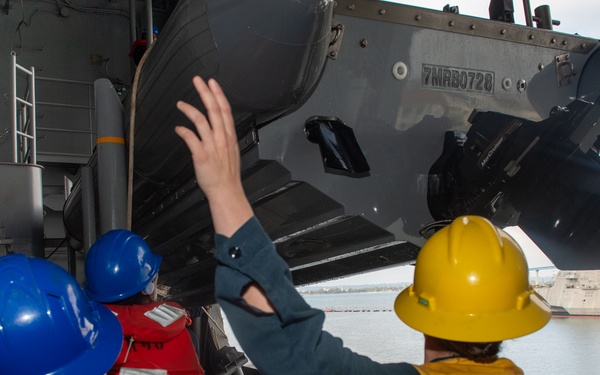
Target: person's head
[[471, 285], [48, 325], [121, 267], [154, 33], [482, 352]]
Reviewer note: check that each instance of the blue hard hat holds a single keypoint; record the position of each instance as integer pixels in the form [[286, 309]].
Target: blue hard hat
[[155, 30], [48, 326], [119, 265]]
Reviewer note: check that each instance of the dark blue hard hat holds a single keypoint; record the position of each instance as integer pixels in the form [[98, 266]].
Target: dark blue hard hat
[[48, 325], [119, 265]]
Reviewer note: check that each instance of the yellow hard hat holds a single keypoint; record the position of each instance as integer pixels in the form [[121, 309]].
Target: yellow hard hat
[[471, 284]]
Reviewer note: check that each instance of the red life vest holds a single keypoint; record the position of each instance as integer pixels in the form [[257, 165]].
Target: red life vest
[[138, 45], [155, 337]]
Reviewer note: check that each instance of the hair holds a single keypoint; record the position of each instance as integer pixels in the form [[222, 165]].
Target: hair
[[481, 352]]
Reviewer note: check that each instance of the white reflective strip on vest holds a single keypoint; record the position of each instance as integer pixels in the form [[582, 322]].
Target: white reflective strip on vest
[[165, 314], [141, 371]]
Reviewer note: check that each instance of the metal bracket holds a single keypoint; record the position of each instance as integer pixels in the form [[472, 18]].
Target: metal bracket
[[565, 70], [337, 32]]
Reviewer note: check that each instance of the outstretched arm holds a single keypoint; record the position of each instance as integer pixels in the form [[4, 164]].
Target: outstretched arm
[[216, 159], [291, 341]]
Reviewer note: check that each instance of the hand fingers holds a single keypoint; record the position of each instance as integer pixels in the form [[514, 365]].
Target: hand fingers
[[224, 106], [213, 109], [190, 139], [221, 128], [196, 117]]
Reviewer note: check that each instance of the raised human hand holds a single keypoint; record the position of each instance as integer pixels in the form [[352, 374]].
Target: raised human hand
[[216, 156]]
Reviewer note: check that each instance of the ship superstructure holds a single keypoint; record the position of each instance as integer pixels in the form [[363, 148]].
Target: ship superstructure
[[574, 293]]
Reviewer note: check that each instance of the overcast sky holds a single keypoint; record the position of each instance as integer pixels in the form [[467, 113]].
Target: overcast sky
[[576, 16]]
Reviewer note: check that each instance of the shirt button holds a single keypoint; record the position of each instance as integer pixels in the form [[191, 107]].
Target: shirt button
[[235, 252]]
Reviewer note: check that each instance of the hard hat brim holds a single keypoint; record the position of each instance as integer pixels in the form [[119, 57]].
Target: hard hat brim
[[465, 327], [106, 347]]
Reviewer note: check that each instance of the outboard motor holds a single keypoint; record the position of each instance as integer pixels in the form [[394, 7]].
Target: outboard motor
[[542, 176]]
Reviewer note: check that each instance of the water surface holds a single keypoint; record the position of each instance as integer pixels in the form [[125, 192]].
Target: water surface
[[367, 325]]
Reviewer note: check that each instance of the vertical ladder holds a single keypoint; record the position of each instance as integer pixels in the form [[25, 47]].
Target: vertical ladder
[[4, 242], [23, 116]]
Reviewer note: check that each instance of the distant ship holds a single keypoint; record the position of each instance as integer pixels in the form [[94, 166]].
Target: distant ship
[[574, 293]]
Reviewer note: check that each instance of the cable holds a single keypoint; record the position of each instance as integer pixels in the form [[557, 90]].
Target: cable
[[112, 79], [132, 134], [425, 231], [57, 247], [21, 23], [79, 8]]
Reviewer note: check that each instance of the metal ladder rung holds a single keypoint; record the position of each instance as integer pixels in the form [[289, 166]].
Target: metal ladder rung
[[24, 102], [28, 154], [23, 69], [24, 135]]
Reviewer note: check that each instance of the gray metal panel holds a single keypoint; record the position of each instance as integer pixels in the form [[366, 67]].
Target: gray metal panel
[[60, 47], [457, 23], [21, 212], [66, 128], [339, 238], [400, 123], [377, 258]]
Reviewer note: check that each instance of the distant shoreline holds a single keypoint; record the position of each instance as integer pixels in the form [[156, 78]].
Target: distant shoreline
[[352, 289]]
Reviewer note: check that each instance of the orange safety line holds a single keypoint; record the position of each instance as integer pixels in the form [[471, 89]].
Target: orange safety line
[[119, 140]]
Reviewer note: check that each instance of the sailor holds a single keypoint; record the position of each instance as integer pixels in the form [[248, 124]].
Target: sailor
[[122, 272], [48, 326], [470, 292], [139, 47]]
